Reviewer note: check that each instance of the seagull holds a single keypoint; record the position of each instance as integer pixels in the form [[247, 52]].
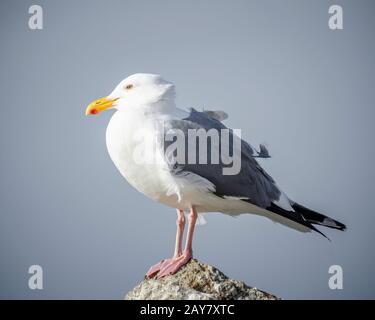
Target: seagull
[[145, 110]]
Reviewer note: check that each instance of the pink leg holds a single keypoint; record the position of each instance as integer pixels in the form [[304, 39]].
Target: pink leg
[[175, 264], [180, 232], [189, 241], [180, 222]]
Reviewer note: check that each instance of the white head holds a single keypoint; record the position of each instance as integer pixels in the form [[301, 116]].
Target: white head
[[140, 90]]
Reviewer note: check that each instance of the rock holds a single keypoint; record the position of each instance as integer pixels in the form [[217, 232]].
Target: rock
[[196, 281]]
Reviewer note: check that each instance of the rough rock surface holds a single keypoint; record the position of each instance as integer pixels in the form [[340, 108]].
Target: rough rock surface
[[196, 281]]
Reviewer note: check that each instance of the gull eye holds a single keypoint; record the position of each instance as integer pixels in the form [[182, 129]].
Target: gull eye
[[128, 87]]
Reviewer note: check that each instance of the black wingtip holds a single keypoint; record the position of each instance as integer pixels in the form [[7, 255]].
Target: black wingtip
[[318, 218], [307, 218]]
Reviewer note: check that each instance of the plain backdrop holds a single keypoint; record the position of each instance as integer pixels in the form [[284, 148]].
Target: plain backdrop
[[275, 67]]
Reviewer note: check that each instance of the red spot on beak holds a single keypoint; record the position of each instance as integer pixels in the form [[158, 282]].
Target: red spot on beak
[[94, 111]]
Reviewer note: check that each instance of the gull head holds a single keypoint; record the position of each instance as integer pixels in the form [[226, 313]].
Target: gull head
[[140, 90]]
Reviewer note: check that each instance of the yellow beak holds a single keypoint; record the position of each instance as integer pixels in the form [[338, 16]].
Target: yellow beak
[[100, 105]]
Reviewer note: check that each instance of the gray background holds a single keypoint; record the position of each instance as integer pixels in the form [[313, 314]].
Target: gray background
[[282, 75]]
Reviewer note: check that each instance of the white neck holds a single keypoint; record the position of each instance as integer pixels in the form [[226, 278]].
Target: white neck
[[164, 106]]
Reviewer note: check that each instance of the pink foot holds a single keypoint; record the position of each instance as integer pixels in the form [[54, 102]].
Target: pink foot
[[154, 269], [173, 265], [157, 267]]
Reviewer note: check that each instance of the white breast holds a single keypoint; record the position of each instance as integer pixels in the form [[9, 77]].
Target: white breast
[[124, 141]]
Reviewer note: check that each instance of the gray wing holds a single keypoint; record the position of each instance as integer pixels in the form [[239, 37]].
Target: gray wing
[[251, 183]]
